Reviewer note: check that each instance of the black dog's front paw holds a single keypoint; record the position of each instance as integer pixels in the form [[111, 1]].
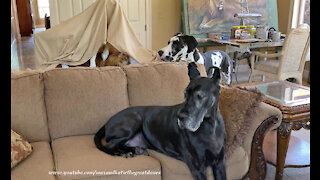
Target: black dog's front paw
[[127, 155], [141, 151]]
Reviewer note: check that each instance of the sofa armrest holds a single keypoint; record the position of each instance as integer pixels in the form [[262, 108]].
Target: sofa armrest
[[264, 111], [267, 118]]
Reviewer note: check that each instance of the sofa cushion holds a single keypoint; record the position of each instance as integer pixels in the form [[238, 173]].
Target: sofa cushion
[[20, 149], [38, 164], [80, 153], [80, 100], [28, 112], [159, 83], [236, 166], [238, 106]]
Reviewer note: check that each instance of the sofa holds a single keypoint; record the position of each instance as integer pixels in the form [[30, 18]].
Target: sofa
[[58, 111]]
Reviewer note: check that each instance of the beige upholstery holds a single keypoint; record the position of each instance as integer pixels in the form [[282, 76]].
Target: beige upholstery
[[28, 111], [37, 165], [80, 153], [80, 100], [157, 84], [236, 167], [291, 59], [68, 106], [264, 111]]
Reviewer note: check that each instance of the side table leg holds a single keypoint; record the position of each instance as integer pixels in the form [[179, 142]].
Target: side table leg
[[283, 138]]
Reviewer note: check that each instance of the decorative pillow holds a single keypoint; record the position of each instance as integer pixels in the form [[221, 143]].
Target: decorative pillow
[[20, 148], [238, 107]]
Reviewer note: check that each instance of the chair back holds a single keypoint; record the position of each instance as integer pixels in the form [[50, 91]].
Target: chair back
[[295, 49]]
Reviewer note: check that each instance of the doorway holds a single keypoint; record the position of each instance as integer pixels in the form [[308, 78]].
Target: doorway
[[41, 12]]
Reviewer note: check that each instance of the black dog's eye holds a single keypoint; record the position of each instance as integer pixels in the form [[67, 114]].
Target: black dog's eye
[[200, 95]]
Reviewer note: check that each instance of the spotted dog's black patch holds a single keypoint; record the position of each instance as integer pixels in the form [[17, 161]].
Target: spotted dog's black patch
[[176, 47], [196, 56], [190, 41]]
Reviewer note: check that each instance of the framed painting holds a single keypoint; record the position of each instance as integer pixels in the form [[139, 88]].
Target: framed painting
[[200, 17]]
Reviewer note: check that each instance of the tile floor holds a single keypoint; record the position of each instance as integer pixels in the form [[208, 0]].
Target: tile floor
[[23, 57]]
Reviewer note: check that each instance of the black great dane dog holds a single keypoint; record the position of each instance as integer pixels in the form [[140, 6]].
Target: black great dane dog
[[192, 131]]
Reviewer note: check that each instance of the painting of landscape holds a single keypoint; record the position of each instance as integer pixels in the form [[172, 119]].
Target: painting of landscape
[[205, 16]]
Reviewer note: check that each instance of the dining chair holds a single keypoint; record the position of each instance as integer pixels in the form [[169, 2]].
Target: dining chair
[[291, 58]]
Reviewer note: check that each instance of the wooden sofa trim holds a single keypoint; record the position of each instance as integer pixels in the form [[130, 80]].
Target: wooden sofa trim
[[258, 167]]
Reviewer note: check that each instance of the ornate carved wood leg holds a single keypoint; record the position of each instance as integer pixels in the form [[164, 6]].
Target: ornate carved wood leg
[[283, 138], [258, 167]]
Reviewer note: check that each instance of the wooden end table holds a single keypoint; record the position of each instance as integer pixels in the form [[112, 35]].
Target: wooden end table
[[294, 102]]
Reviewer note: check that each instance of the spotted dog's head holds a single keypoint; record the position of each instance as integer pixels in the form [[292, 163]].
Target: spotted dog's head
[[201, 99], [179, 48]]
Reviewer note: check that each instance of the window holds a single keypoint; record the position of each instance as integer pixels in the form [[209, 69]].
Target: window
[[306, 19], [299, 14], [43, 6], [306, 14]]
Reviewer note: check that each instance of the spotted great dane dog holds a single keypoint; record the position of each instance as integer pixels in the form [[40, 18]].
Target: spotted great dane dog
[[184, 47]]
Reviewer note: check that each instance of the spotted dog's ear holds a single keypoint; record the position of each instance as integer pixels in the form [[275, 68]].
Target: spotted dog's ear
[[178, 34], [193, 71], [190, 41]]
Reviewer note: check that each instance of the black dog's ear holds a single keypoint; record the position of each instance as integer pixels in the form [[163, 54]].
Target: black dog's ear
[[193, 70], [190, 41], [216, 74]]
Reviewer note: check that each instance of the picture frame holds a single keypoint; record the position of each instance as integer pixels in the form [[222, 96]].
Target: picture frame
[[270, 11]]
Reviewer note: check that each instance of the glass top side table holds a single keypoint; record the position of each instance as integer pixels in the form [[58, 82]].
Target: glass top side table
[[284, 93], [294, 102]]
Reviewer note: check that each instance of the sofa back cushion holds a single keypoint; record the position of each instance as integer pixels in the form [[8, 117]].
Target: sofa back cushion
[[80, 100], [28, 112], [158, 84]]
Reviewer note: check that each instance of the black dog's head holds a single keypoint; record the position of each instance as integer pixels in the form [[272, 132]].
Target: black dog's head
[[178, 46], [201, 98]]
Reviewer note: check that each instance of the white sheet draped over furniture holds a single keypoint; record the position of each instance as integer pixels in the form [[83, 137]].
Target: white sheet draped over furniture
[[76, 40]]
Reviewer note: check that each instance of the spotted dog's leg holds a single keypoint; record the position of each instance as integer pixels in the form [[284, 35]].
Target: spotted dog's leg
[[93, 61], [64, 66], [227, 78]]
